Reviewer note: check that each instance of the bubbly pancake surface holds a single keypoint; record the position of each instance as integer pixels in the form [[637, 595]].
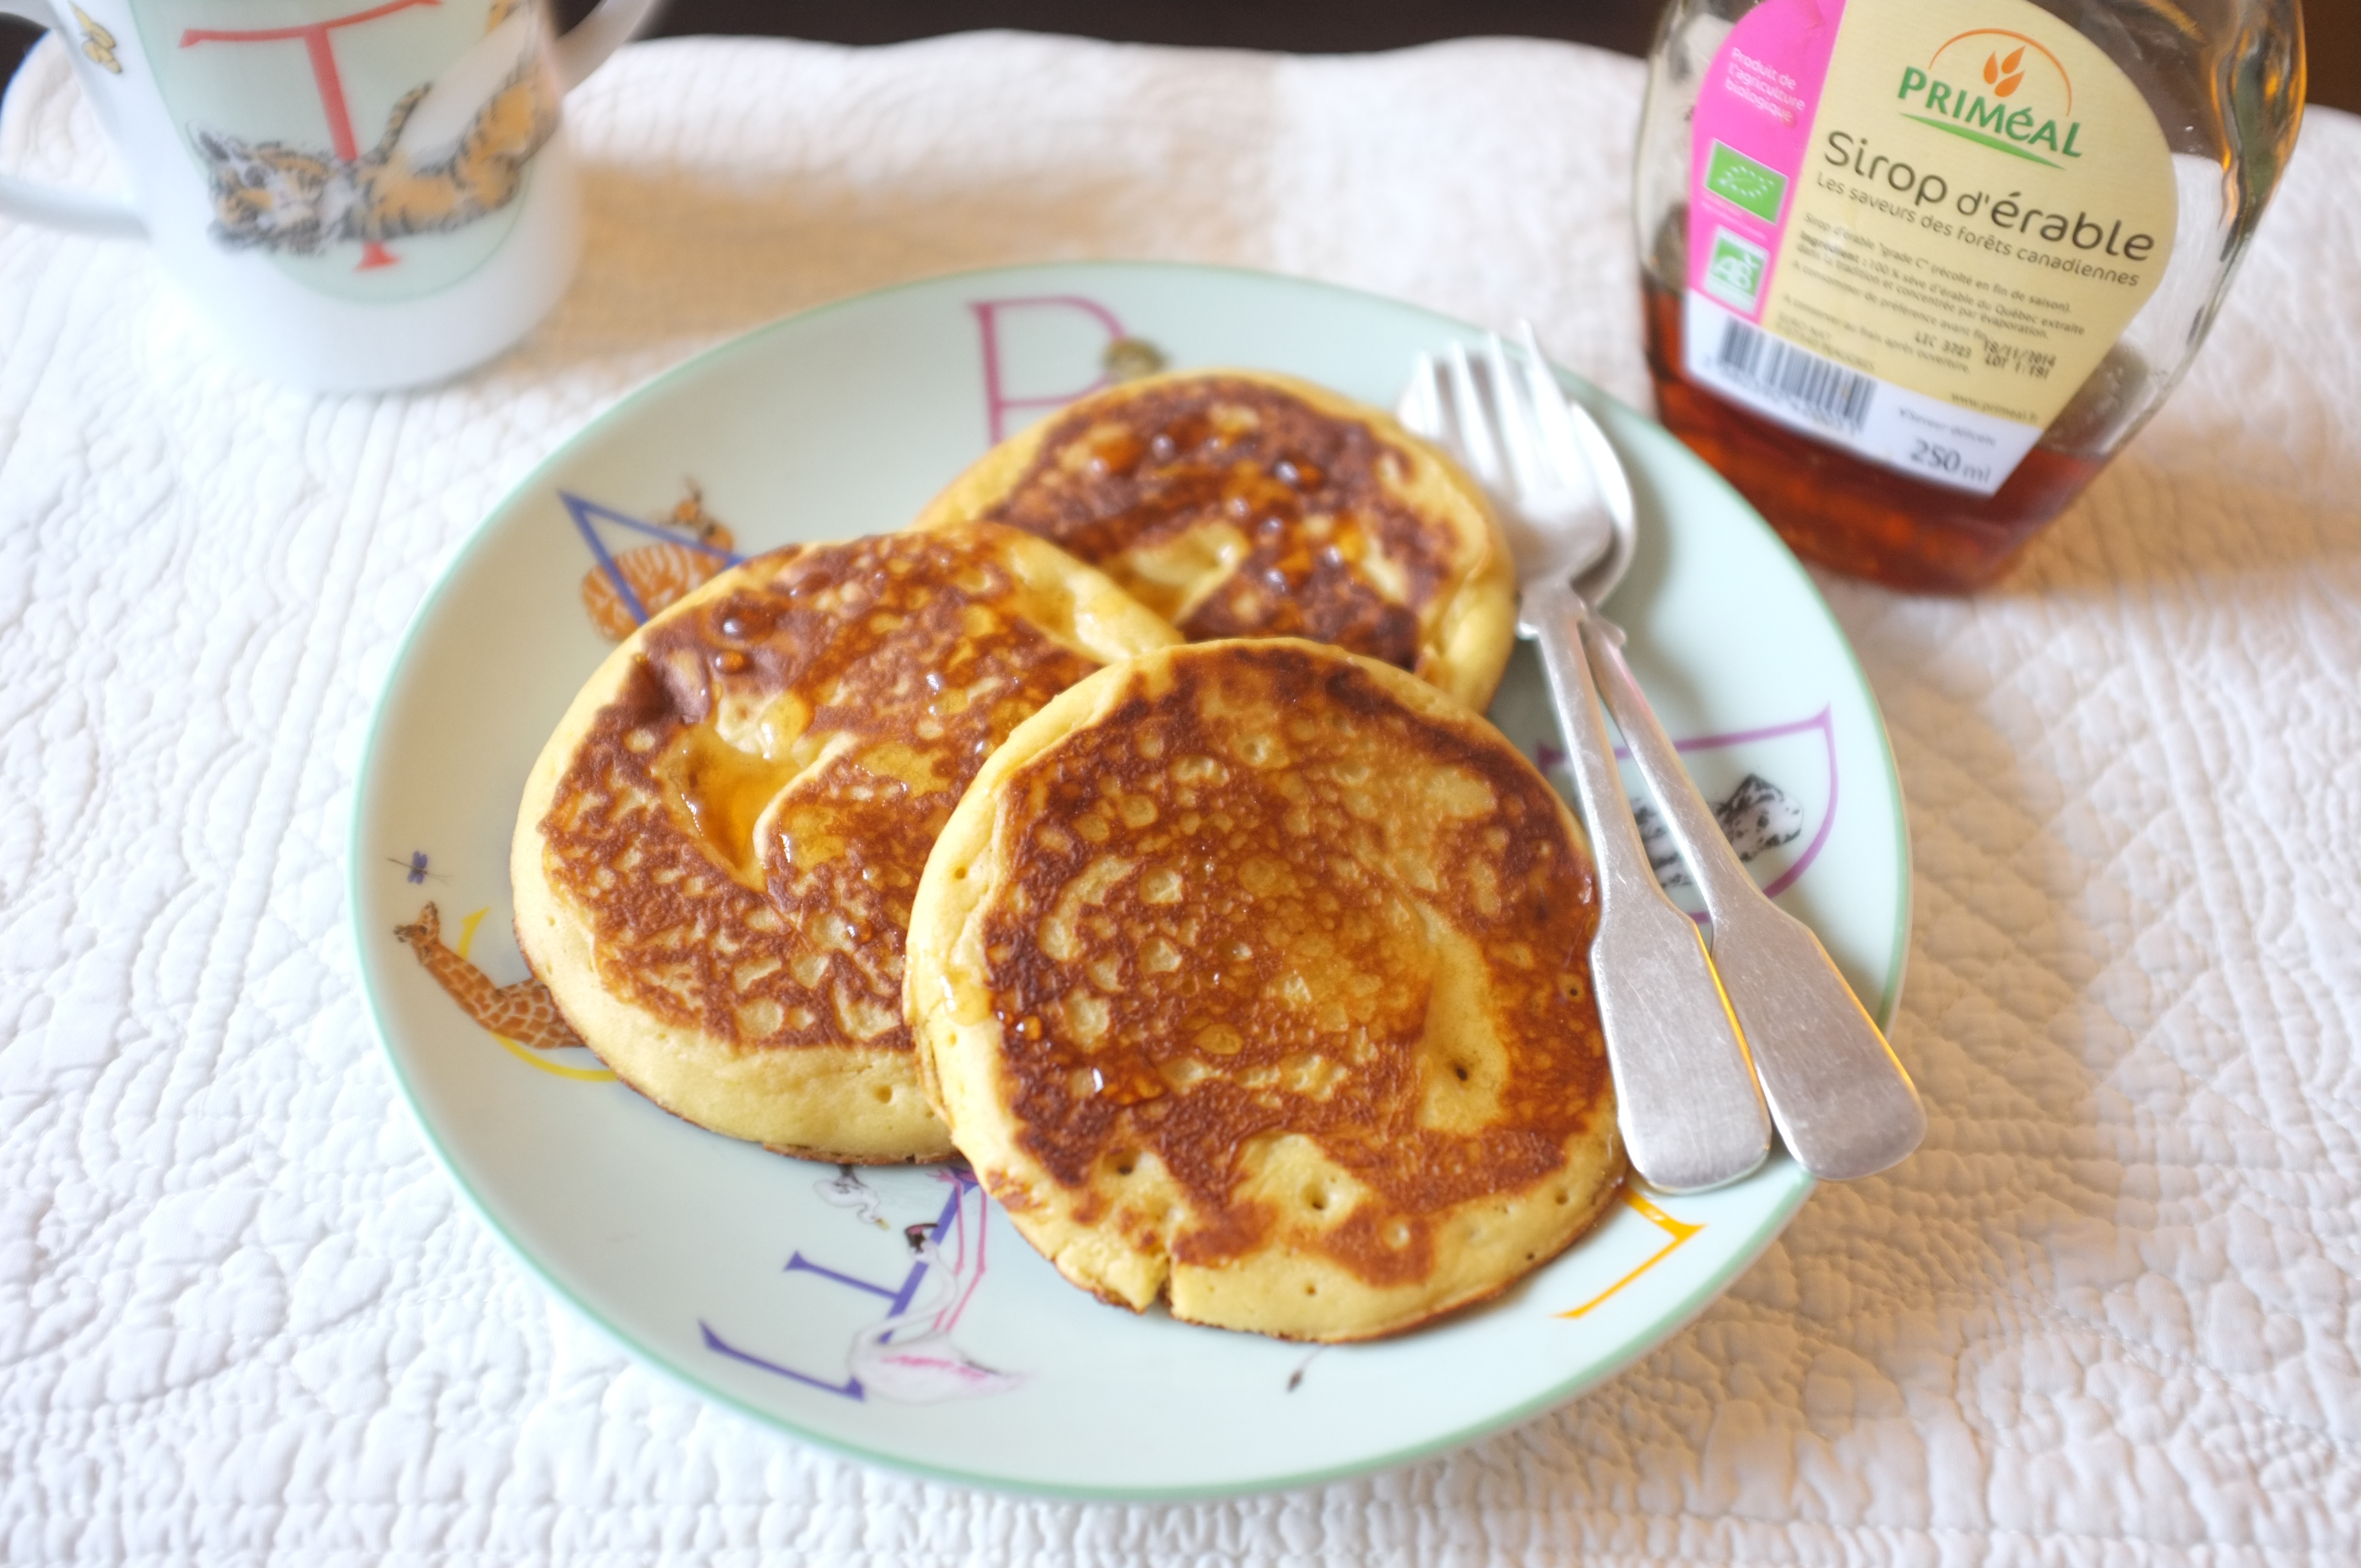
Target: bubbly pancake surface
[[1248, 504], [1255, 975], [715, 855]]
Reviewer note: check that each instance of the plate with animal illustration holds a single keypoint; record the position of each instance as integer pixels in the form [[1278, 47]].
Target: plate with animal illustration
[[890, 1313]]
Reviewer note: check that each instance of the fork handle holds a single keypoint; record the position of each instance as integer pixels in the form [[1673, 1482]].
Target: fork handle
[[1686, 1098], [1844, 1105]]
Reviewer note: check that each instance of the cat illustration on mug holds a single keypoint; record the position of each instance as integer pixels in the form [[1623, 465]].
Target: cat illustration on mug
[[439, 164]]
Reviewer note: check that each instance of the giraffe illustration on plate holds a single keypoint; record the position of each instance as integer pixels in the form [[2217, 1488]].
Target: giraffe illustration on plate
[[523, 1011]]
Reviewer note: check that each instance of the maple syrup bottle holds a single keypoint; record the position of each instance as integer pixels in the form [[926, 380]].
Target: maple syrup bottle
[[1915, 270]]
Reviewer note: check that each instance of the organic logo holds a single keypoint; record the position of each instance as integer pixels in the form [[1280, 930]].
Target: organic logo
[[1998, 89], [1734, 273], [1755, 187]]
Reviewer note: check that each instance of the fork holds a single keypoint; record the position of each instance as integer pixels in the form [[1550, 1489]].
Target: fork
[[1686, 1103], [1842, 1102]]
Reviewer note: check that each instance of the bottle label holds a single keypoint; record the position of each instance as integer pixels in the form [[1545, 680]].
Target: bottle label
[[1915, 230]]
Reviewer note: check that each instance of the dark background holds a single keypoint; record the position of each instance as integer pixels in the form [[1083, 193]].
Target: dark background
[[2333, 27]]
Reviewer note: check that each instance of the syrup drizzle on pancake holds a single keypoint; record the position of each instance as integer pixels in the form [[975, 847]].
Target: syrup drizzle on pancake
[[1268, 900], [1223, 484], [746, 823]]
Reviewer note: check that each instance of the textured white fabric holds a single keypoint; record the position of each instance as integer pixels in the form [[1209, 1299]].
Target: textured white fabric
[[2112, 1313]]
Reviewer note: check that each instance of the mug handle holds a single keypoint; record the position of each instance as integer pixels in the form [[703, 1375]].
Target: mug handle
[[72, 210], [583, 50]]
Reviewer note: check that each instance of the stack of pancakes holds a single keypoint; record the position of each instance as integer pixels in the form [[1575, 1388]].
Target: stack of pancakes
[[1250, 972], [716, 854]]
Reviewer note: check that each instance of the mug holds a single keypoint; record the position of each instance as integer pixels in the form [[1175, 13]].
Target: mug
[[356, 194]]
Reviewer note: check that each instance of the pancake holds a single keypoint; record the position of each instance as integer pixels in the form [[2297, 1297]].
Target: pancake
[[715, 852], [1255, 975], [1239, 503]]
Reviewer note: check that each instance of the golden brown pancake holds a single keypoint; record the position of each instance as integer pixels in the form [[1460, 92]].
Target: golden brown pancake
[[1255, 975], [715, 855], [1239, 503]]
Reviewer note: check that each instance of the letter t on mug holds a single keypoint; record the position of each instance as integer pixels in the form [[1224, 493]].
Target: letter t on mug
[[358, 194]]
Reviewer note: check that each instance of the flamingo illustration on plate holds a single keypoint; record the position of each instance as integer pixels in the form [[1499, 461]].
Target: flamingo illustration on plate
[[908, 1355]]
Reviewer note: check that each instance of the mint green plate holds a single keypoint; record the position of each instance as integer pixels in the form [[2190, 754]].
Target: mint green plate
[[891, 1314]]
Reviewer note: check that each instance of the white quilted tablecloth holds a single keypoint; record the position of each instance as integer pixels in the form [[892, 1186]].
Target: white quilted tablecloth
[[2110, 1314]]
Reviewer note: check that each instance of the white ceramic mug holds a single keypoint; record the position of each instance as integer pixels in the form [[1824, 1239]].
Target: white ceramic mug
[[357, 194]]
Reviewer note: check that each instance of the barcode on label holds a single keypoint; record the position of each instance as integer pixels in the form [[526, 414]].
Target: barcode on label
[[1820, 388]]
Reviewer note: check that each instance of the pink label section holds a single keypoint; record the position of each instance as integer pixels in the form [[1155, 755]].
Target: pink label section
[[1759, 96]]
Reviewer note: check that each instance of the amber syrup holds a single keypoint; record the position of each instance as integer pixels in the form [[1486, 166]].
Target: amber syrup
[[1858, 517]]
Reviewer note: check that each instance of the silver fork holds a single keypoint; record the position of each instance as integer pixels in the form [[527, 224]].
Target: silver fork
[[1685, 1097], [1843, 1104]]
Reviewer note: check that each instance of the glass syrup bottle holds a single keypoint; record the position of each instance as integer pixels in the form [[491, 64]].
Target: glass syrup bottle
[[1916, 270]]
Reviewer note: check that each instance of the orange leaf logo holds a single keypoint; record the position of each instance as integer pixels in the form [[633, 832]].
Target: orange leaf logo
[[2003, 73]]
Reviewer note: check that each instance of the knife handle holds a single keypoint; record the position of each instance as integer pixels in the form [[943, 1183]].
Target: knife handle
[[1843, 1104]]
